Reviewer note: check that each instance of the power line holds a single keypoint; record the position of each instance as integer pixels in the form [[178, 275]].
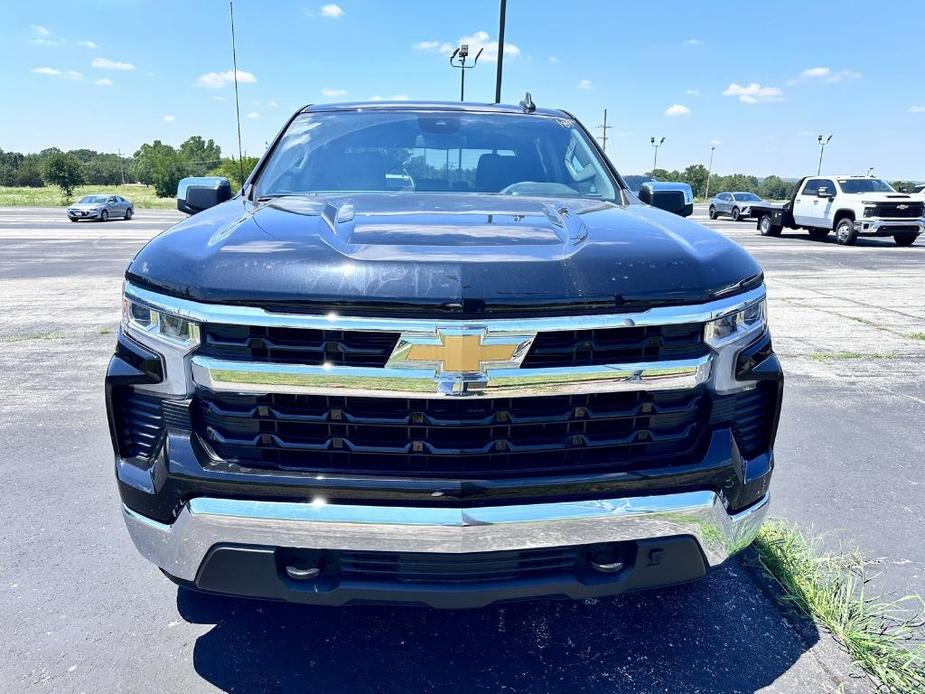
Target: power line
[[604, 128], [237, 103]]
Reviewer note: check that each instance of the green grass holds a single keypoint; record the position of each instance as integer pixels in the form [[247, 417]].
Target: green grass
[[846, 356], [917, 336], [44, 335], [880, 637], [142, 197]]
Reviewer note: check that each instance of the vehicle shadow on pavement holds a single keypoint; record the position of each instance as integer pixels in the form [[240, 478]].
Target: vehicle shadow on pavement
[[722, 634]]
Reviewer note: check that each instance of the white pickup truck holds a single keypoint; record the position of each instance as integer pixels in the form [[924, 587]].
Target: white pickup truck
[[851, 206]]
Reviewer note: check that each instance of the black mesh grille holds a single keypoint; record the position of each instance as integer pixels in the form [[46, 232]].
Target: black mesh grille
[[910, 210], [454, 438], [616, 345], [455, 568], [297, 345], [139, 422]]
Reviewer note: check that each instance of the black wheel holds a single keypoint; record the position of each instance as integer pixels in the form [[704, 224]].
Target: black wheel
[[845, 233], [736, 215], [712, 212], [767, 227], [905, 239], [104, 216], [73, 219], [818, 234], [128, 213]]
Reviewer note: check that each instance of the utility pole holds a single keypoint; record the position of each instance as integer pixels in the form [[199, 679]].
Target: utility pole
[[121, 171], [706, 193], [604, 128], [656, 145], [501, 19], [822, 143], [462, 53]]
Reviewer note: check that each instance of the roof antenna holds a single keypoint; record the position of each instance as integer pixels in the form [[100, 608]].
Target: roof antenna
[[527, 104]]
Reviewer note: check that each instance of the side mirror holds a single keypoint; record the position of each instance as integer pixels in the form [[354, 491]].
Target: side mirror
[[198, 193], [677, 198], [823, 192]]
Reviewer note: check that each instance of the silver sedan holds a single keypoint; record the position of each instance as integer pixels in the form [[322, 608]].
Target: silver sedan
[[736, 205], [102, 207]]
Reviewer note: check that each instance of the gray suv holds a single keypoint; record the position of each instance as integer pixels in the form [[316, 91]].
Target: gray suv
[[736, 205]]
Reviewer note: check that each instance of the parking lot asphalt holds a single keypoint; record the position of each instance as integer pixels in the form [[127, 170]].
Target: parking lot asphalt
[[81, 611]]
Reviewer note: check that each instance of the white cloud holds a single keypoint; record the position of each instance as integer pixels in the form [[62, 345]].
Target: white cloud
[[39, 30], [677, 110], [218, 98], [168, 119], [825, 74], [217, 80], [553, 59], [332, 11], [752, 93], [272, 104], [918, 108], [87, 44], [692, 92], [43, 37], [715, 143], [692, 42], [253, 115], [585, 84], [104, 82], [479, 41], [55, 72], [394, 97], [107, 64], [331, 93]]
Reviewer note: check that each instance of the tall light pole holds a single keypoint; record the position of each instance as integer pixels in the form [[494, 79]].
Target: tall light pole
[[462, 53], [706, 193], [655, 144], [823, 141], [501, 19]]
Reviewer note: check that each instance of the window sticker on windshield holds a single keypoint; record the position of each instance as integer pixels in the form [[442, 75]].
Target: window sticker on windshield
[[565, 123]]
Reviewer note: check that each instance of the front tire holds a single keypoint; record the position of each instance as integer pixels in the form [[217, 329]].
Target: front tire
[[73, 219], [845, 233], [736, 214], [768, 228], [128, 214], [818, 234], [712, 212], [905, 239], [104, 216]]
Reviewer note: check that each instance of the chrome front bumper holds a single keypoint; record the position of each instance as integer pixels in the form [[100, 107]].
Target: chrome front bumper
[[180, 548], [883, 227]]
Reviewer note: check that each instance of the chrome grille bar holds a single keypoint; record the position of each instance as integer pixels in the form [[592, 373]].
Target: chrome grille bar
[[250, 377]]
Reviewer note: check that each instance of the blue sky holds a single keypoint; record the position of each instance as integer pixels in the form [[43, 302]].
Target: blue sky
[[760, 80]]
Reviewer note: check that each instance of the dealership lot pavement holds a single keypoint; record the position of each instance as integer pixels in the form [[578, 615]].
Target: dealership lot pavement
[[81, 611]]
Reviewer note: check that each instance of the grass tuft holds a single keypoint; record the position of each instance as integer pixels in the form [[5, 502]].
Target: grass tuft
[[846, 356], [917, 336], [830, 588]]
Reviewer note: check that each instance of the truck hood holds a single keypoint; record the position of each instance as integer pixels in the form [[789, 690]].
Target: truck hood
[[433, 253], [882, 197]]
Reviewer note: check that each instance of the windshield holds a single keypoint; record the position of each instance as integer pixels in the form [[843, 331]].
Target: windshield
[[88, 199], [433, 151], [746, 197], [865, 185]]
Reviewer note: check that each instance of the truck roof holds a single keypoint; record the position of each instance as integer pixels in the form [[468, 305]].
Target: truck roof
[[468, 107]]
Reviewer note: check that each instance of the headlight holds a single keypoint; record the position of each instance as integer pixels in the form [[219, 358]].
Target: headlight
[[869, 211], [141, 320], [727, 335]]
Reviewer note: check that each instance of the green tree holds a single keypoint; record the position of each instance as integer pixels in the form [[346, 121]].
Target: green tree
[[159, 165], [695, 175], [63, 170], [773, 188], [200, 155], [29, 171], [231, 169]]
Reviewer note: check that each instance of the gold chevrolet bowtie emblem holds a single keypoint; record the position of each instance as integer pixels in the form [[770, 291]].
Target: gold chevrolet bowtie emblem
[[460, 351]]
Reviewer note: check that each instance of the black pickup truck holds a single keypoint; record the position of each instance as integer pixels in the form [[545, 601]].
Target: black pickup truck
[[439, 354]]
